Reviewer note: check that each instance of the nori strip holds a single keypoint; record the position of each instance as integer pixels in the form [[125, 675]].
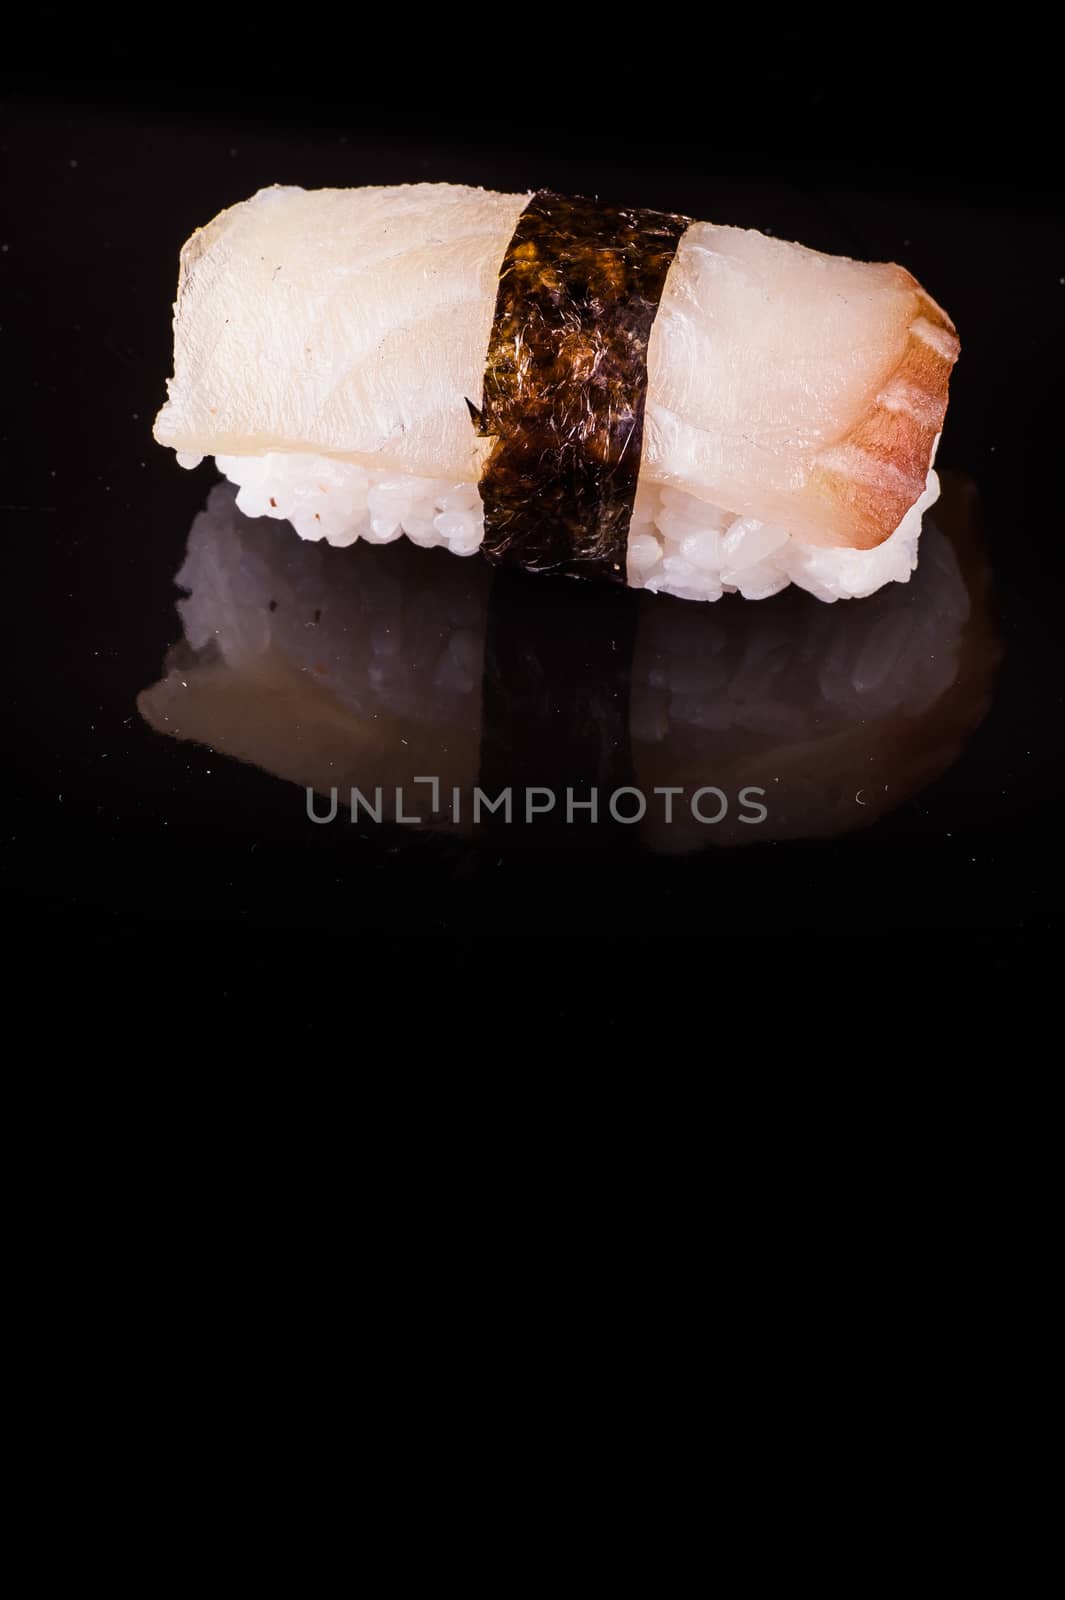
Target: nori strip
[[566, 382]]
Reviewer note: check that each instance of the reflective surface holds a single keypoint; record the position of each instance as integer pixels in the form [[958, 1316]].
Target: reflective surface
[[399, 672], [908, 745]]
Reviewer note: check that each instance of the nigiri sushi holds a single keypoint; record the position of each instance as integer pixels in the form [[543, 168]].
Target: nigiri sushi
[[683, 407]]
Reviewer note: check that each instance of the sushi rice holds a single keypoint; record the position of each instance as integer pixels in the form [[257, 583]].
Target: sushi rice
[[678, 544]]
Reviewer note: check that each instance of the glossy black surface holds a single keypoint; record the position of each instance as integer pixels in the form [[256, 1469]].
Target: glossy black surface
[[112, 820]]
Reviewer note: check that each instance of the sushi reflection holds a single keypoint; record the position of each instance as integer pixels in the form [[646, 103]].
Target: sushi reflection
[[376, 667], [840, 712], [329, 668]]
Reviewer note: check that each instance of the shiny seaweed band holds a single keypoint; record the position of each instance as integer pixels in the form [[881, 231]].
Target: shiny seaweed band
[[566, 382]]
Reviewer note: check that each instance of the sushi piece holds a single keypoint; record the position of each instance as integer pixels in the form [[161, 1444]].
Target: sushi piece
[[381, 669], [688, 408]]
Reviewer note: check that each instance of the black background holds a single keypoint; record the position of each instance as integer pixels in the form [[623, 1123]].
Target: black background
[[926, 156]]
